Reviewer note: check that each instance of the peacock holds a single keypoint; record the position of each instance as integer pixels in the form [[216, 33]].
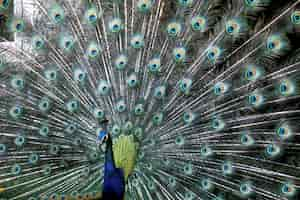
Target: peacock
[[150, 99]]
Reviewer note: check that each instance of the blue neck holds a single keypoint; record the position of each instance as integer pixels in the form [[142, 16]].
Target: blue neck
[[109, 157]]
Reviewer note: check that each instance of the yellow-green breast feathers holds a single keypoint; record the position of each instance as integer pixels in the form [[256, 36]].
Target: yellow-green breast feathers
[[125, 151]]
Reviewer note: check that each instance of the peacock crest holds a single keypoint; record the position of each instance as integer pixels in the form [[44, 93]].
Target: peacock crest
[[202, 98]]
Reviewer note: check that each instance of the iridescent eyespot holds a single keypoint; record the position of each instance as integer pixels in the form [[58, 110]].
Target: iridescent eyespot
[[138, 132], [160, 92], [17, 25], [245, 189], [137, 41], [295, 17], [19, 141], [250, 2], [16, 169], [51, 74], [189, 117], [185, 3], [121, 62], [72, 105], [17, 82], [233, 27], [206, 151], [286, 87], [44, 104], [144, 5], [220, 88], [115, 25], [16, 111], [98, 113], [4, 4], [79, 75], [3, 148], [185, 85], [154, 65], [288, 189], [284, 131], [57, 14], [218, 124], [188, 169], [121, 106], [44, 130], [132, 80], [277, 44], [172, 181], [157, 118], [38, 42], [128, 126], [227, 168], [66, 43], [54, 149], [189, 195], [273, 150], [179, 54], [213, 54], [33, 158], [247, 140], [199, 23], [71, 128], [139, 109], [174, 29], [179, 140], [116, 130], [91, 15], [252, 73], [103, 88], [206, 184], [93, 50], [255, 99]]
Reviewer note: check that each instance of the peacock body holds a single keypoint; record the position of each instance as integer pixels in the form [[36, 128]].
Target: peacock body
[[202, 98]]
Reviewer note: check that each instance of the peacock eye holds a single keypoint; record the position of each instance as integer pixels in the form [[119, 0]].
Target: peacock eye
[[57, 14], [121, 106], [246, 140], [66, 43], [121, 62], [185, 3], [33, 158], [16, 169], [272, 150], [93, 50], [199, 23], [38, 42], [16, 111], [91, 16], [185, 85], [132, 80], [19, 140], [189, 117], [286, 87], [144, 5], [17, 82], [115, 25], [3, 148], [295, 17], [174, 29], [255, 99], [160, 92], [220, 88], [245, 189], [137, 41], [288, 189], [4, 4], [213, 54], [103, 88], [72, 106], [233, 27], [179, 54], [154, 65]]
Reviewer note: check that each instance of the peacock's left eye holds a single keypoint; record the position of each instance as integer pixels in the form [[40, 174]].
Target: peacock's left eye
[[144, 5], [295, 17], [179, 54], [137, 41], [174, 29]]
